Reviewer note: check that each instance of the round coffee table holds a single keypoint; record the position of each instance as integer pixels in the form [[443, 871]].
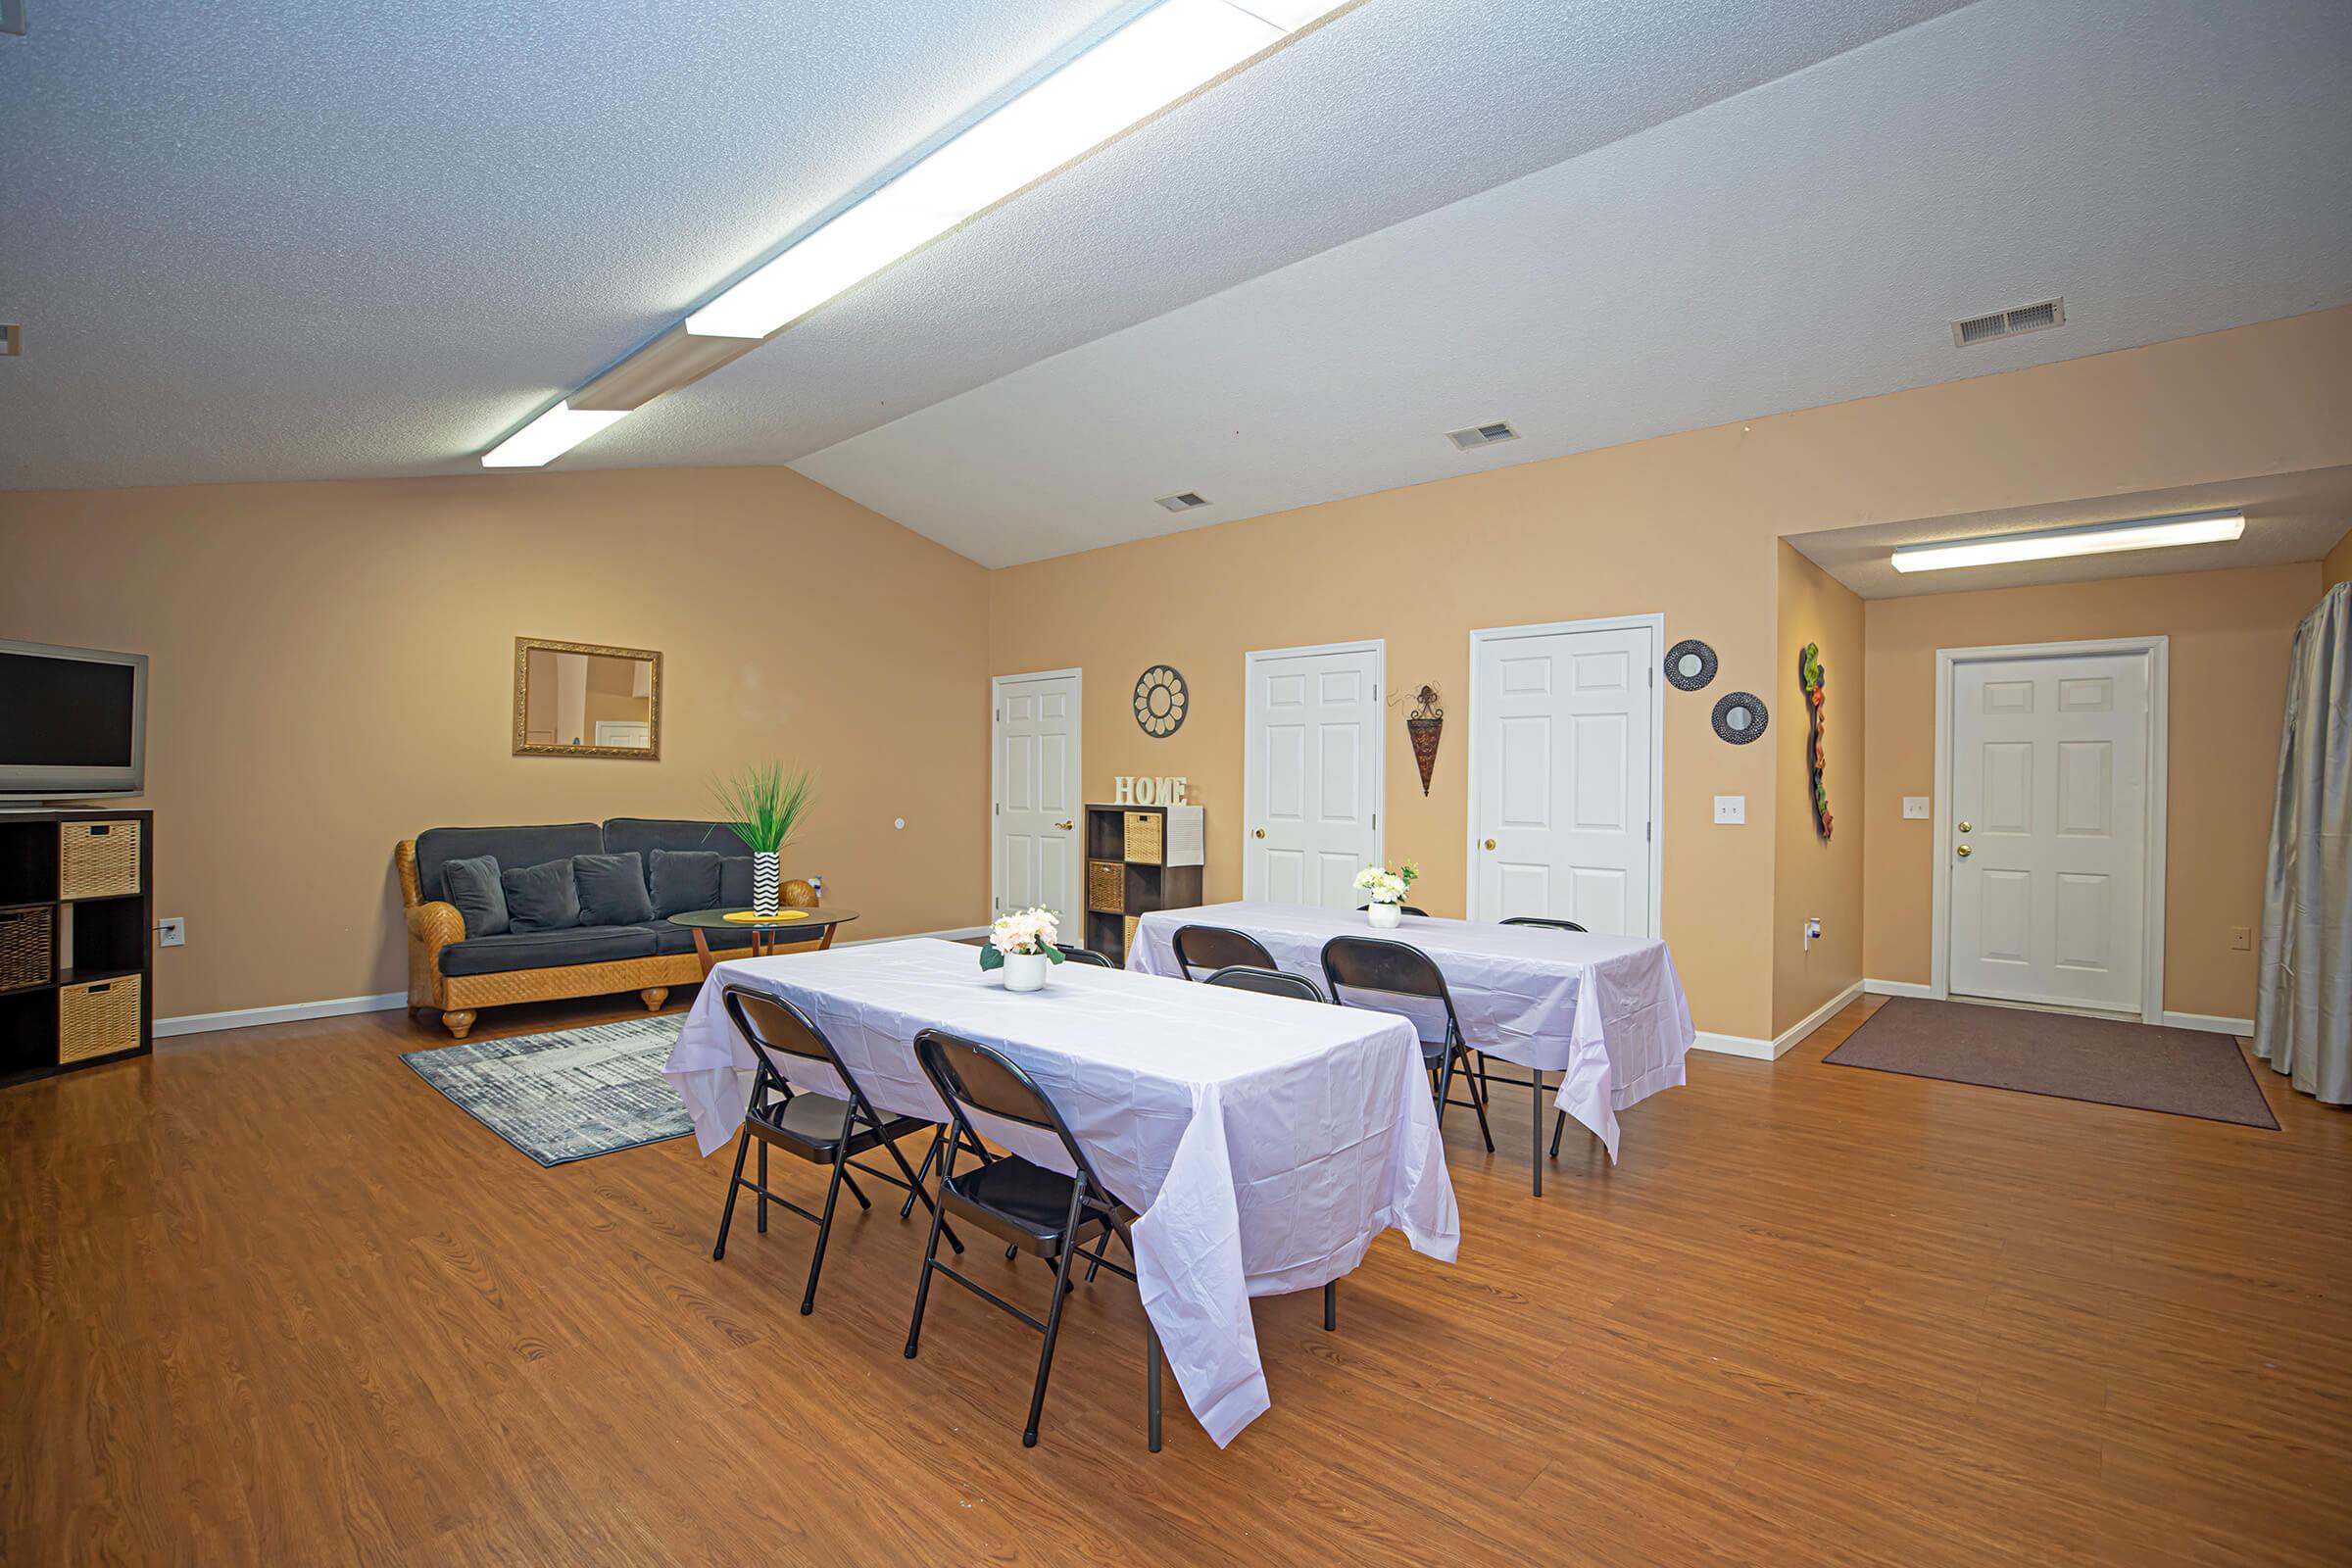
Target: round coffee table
[[791, 929]]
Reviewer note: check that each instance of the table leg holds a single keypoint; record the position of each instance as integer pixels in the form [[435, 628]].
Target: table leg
[[1536, 1145], [701, 952], [826, 940]]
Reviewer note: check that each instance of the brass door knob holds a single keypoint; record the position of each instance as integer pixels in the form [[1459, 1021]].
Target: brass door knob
[[1962, 852], [1066, 826], [1964, 827], [1489, 844], [1261, 832]]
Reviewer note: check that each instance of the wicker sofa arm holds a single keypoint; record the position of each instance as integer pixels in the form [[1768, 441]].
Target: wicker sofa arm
[[431, 927]]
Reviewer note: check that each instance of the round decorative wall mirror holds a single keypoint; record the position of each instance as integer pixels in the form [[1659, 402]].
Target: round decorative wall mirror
[[1160, 701], [1689, 665], [1740, 717]]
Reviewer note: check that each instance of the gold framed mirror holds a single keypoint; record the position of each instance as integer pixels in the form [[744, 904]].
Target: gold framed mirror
[[586, 699]]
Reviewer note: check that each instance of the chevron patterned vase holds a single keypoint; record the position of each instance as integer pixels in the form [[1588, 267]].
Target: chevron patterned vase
[[764, 882]]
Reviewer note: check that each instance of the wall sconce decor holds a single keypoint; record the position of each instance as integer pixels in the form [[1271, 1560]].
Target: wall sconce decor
[[1424, 724], [1814, 680]]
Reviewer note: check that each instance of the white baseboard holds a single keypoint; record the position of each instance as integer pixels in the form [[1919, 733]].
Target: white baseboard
[[1732, 1046], [1899, 988], [957, 935], [1781, 1044], [198, 1023], [2212, 1023]]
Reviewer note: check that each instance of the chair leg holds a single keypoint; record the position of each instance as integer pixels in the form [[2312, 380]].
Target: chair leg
[[1061, 1286], [1486, 1090], [1095, 1264], [1559, 1125], [763, 1189], [1484, 1131], [850, 1182], [824, 1227], [922, 1279], [743, 1146], [1331, 1306], [1152, 1381], [1536, 1143], [915, 1189]]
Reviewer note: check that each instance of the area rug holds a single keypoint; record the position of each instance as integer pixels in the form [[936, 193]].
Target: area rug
[[567, 1094], [2183, 1072]]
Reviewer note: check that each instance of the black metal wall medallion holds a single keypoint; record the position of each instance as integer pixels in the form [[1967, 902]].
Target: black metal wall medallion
[[1689, 665], [1160, 701], [1740, 717]]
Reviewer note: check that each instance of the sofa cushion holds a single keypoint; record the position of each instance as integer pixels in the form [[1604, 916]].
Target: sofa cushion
[[683, 880], [646, 834], [542, 898], [547, 949], [471, 884], [612, 888], [511, 846], [735, 882], [670, 938]]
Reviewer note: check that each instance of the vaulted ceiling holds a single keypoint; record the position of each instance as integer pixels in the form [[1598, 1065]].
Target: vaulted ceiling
[[267, 242]]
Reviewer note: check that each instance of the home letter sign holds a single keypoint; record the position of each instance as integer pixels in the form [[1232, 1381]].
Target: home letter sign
[[1128, 790]]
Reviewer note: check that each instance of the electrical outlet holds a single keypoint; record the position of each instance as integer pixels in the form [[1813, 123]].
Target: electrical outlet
[[1730, 810], [1915, 807], [175, 929], [2241, 939]]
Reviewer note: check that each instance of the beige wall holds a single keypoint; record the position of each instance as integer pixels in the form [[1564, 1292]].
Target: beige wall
[[1688, 525], [2231, 632], [332, 670], [2338, 567], [1814, 877]]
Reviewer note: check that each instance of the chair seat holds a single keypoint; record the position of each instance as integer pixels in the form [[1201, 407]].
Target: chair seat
[[1026, 1197], [810, 1125]]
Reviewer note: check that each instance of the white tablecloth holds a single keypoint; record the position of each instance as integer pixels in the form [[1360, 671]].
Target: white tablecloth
[[1607, 1013], [1264, 1142]]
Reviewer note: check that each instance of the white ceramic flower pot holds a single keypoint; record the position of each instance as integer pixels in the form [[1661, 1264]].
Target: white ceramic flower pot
[[1025, 971], [764, 882], [1386, 916]]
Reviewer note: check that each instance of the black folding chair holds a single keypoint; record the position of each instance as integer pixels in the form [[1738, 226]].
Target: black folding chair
[[1079, 955], [1400, 969], [1403, 909], [1210, 948], [821, 1129], [1559, 1119], [1033, 1208], [1268, 982]]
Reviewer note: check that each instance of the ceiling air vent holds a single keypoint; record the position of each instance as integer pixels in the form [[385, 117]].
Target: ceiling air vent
[[1482, 435], [1184, 501], [2008, 324]]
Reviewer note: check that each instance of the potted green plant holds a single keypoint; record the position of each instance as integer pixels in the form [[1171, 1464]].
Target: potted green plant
[[763, 804]]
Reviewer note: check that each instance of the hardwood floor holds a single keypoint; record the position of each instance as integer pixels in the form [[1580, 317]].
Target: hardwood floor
[[266, 1297]]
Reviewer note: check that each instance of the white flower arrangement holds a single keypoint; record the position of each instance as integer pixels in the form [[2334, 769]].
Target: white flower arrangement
[[1023, 931], [1384, 886]]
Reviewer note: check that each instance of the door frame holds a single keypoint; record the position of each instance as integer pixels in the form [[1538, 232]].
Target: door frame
[[2158, 653], [1378, 648], [996, 783], [1655, 625]]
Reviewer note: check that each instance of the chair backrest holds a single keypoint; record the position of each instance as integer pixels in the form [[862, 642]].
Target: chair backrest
[[1404, 909], [776, 1028], [1212, 947], [1536, 919], [1268, 982], [1078, 954], [1392, 968], [970, 1076]]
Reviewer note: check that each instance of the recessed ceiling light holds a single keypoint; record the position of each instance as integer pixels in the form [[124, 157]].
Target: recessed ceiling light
[[550, 436], [2098, 539]]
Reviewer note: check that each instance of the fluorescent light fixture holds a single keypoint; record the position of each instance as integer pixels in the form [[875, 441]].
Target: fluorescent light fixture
[[550, 436], [1164, 53], [2100, 539]]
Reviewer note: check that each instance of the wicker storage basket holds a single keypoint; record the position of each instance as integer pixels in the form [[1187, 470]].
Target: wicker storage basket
[[1105, 886], [98, 1019], [24, 946], [1129, 941], [97, 860], [1143, 838]]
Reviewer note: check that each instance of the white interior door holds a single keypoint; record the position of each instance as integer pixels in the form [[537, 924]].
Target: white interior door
[[1311, 773], [2049, 829], [1037, 786], [1563, 774]]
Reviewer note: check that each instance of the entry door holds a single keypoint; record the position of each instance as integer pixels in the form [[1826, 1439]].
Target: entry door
[[2049, 824], [1563, 742], [1036, 862], [1311, 786]]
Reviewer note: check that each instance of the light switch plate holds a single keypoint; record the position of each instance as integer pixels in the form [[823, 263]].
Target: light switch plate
[[1730, 809], [1915, 807]]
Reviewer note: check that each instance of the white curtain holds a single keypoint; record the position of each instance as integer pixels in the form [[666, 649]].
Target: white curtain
[[2303, 1012]]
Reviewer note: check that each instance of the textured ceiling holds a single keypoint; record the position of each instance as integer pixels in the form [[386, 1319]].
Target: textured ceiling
[[2169, 167], [253, 240], [2289, 517]]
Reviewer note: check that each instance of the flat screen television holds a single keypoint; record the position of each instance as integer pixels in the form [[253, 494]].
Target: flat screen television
[[72, 722]]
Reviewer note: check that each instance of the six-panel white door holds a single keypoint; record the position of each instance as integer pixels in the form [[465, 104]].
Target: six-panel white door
[[1037, 788], [2049, 812], [1561, 737], [1311, 790]]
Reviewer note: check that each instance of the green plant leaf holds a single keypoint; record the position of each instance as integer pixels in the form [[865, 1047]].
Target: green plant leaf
[[1053, 954], [990, 957], [763, 804]]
